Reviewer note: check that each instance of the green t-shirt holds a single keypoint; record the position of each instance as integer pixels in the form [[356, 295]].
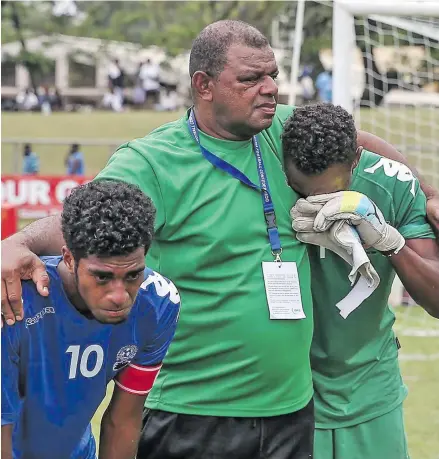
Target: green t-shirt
[[227, 358], [355, 360]]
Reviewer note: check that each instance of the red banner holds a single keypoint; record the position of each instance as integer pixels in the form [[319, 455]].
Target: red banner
[[9, 221], [35, 196]]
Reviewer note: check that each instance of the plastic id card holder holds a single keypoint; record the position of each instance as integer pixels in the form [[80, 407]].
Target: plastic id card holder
[[282, 287]]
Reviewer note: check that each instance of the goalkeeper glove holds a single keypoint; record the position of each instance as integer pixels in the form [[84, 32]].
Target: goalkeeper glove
[[360, 211]]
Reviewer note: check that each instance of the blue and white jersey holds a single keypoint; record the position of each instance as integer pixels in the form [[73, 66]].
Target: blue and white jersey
[[56, 363]]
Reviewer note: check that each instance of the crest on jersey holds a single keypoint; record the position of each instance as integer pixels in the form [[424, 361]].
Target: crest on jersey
[[124, 356]]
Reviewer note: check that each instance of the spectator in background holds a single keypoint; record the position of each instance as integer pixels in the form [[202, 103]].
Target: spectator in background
[[307, 85], [138, 94], [75, 161], [44, 100], [27, 100], [31, 161], [149, 75], [112, 100], [324, 86], [168, 101], [116, 77], [55, 98]]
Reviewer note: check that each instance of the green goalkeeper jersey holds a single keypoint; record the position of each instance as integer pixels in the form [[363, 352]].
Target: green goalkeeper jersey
[[227, 358], [355, 360]]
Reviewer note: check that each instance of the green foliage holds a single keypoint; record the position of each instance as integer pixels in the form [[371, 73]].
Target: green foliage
[[170, 24]]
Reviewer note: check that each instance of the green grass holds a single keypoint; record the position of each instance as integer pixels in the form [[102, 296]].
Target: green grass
[[115, 128], [419, 354], [419, 360]]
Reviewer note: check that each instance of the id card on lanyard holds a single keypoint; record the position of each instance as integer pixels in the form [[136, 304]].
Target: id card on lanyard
[[280, 278]]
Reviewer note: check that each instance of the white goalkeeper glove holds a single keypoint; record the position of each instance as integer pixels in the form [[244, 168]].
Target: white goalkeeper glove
[[304, 227], [360, 211]]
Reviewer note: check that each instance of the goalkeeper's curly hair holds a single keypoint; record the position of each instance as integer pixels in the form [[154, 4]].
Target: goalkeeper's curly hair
[[318, 136], [107, 218]]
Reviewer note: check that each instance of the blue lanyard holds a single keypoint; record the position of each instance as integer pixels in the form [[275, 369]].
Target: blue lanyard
[[270, 216]]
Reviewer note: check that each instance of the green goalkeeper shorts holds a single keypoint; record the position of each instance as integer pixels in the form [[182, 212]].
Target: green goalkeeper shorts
[[379, 438]]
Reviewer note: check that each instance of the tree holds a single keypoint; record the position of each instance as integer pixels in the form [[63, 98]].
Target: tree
[[170, 24], [24, 57]]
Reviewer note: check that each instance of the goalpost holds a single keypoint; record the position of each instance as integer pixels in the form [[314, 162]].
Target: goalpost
[[385, 64]]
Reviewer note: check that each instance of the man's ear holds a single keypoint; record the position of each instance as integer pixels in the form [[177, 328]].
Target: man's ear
[[202, 85], [68, 259]]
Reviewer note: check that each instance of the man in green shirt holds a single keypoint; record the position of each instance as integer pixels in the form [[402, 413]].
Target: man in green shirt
[[358, 386], [237, 380]]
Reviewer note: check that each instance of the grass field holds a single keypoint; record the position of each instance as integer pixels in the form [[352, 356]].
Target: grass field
[[114, 128], [420, 349]]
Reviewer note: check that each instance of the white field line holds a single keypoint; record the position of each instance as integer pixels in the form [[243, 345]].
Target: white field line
[[418, 357]]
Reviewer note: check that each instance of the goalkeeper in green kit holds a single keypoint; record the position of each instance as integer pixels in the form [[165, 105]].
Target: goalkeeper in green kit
[[364, 217]]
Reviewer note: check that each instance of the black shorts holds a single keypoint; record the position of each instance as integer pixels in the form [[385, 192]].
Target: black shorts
[[182, 436]]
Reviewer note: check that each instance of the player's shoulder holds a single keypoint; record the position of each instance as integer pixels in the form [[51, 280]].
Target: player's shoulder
[[29, 289], [391, 177], [33, 302], [157, 292]]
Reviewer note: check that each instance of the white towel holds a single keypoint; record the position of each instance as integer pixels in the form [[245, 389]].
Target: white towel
[[347, 238]]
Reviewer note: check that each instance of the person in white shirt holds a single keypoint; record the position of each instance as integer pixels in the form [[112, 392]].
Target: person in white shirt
[[149, 75]]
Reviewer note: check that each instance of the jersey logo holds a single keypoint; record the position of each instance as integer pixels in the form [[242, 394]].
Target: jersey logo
[[37, 317], [163, 287], [124, 356], [393, 168]]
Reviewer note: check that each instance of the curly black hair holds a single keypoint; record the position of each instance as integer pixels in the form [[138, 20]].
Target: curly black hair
[[317, 136], [209, 49], [107, 218]]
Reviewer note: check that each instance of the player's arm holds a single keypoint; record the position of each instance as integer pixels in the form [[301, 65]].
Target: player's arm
[[7, 441], [417, 265], [381, 147], [44, 237], [121, 423]]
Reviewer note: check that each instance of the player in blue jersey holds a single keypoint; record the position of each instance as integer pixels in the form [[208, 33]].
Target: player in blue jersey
[[107, 317]]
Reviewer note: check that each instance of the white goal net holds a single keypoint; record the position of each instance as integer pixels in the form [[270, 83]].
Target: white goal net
[[385, 61]]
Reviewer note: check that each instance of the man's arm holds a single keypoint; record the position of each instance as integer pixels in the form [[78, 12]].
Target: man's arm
[[417, 265], [7, 441], [381, 147], [43, 236], [19, 261], [121, 424]]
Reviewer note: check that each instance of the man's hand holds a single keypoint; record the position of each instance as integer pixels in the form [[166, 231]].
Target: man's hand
[[360, 211], [433, 213], [18, 263]]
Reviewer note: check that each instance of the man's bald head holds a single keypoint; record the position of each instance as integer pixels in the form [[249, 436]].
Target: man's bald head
[[209, 50]]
